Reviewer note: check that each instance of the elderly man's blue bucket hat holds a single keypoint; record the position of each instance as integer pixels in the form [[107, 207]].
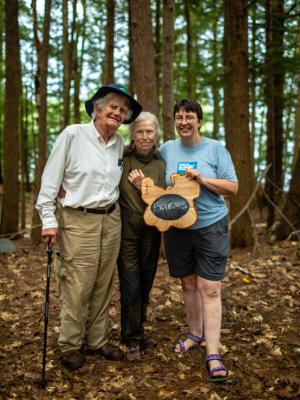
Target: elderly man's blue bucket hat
[[119, 89]]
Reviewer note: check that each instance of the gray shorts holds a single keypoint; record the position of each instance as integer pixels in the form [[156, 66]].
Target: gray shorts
[[201, 251]]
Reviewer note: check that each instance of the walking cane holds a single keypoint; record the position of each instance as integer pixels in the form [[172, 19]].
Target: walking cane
[[43, 381]]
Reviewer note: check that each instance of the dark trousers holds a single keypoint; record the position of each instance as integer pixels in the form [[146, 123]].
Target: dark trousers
[[137, 265]]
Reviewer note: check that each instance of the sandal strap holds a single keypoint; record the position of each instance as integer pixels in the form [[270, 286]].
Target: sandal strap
[[212, 357], [211, 372], [198, 339], [181, 346], [216, 369]]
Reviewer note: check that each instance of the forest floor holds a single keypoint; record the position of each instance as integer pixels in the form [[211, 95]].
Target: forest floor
[[260, 334]]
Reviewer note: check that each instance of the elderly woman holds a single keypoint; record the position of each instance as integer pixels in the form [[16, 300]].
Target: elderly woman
[[198, 255], [87, 160], [140, 243]]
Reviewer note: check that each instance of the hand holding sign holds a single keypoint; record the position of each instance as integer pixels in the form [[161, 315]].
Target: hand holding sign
[[173, 206]]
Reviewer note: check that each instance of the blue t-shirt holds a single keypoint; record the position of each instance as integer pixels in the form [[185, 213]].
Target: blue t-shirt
[[212, 160]]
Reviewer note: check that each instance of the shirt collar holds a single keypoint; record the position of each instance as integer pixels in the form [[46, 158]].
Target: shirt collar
[[111, 141]]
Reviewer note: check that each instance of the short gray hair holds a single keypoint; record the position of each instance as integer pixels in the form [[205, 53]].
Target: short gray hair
[[100, 103], [145, 116]]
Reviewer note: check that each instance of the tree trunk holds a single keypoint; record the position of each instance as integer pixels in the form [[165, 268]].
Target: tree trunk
[[158, 55], [22, 128], [143, 54], [66, 57], [42, 52], [25, 166], [215, 74], [78, 62], [108, 66], [130, 56], [253, 79], [10, 204], [291, 208], [288, 132], [189, 52], [274, 100], [1, 87], [236, 113], [297, 116], [168, 52]]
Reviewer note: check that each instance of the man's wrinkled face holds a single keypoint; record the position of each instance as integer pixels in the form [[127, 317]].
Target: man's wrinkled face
[[114, 113]]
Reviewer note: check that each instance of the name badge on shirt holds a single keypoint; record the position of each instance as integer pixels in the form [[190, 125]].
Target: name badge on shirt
[[183, 166]]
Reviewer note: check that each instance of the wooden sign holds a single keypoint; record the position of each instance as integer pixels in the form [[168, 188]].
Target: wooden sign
[[173, 206]]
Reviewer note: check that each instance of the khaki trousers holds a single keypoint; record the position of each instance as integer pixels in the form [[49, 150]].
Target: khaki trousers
[[89, 247]]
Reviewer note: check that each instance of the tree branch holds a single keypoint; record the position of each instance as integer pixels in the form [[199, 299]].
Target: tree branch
[[293, 6], [258, 184], [279, 211], [291, 196]]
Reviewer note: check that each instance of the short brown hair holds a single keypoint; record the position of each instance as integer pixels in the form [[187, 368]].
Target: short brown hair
[[189, 105]]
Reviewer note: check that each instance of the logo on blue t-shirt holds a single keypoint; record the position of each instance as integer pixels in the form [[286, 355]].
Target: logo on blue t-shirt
[[184, 165]]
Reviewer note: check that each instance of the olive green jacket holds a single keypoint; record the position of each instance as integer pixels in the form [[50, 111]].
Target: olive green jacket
[[151, 165]]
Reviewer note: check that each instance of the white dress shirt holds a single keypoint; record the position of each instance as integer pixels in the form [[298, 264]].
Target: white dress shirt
[[88, 168]]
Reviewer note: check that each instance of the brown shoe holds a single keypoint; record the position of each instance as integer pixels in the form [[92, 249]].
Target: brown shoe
[[72, 359], [133, 354], [148, 343], [109, 352]]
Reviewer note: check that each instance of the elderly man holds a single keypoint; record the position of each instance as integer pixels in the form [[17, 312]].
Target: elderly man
[[87, 160]]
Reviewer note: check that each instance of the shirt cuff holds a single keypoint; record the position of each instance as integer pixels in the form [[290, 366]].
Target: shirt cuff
[[49, 221]]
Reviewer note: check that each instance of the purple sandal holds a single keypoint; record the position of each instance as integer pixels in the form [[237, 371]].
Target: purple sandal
[[198, 339], [212, 377]]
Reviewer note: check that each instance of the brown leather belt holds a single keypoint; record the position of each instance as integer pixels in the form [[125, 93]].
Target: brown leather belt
[[97, 210]]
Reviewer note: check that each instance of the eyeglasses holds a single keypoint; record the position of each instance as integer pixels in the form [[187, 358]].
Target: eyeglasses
[[187, 118]]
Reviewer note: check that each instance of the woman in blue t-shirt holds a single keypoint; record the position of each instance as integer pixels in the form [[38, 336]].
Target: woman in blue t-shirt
[[198, 255]]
